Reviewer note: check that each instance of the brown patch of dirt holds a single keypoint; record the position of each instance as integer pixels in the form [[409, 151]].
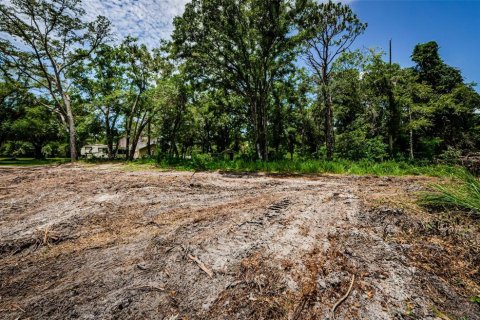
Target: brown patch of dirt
[[97, 242]]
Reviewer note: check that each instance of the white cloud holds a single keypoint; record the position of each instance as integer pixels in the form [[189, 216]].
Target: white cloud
[[148, 20]]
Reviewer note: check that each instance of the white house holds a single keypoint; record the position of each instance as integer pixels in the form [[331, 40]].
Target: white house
[[142, 146], [94, 151]]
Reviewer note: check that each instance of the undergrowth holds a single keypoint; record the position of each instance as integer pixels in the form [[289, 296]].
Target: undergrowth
[[387, 168]]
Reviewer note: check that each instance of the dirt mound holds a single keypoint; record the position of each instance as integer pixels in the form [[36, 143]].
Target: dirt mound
[[102, 243]]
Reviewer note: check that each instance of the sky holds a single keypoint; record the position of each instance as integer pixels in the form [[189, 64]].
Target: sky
[[454, 24]]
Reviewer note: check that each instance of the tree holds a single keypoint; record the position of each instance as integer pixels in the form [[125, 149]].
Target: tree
[[169, 99], [432, 70], [13, 96], [455, 104], [241, 46], [102, 88], [36, 126], [328, 30], [48, 38], [142, 69], [413, 99]]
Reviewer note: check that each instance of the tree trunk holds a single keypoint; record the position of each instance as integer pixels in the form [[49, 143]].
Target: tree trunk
[[149, 149], [111, 154], [260, 118], [71, 128], [394, 122], [127, 145], [137, 135], [37, 149], [132, 150], [329, 134], [277, 131], [411, 134]]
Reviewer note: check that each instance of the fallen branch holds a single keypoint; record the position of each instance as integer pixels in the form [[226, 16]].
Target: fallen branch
[[7, 188], [339, 302], [191, 178], [201, 265], [251, 222], [18, 307]]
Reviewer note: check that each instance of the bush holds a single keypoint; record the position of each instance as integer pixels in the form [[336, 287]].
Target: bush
[[201, 161], [429, 147], [354, 145], [450, 156]]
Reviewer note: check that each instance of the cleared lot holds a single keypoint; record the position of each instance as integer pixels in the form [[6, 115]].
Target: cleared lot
[[98, 242]]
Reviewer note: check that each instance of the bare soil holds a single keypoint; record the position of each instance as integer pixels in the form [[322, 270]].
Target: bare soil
[[100, 242]]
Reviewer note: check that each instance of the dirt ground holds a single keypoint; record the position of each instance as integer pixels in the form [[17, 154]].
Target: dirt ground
[[101, 242]]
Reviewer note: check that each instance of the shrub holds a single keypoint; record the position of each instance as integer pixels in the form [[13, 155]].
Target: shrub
[[450, 156], [201, 161], [355, 145]]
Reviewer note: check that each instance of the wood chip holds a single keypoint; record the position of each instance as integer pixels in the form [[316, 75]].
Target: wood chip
[[201, 265]]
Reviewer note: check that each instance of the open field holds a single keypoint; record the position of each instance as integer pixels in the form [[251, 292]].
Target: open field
[[102, 242]]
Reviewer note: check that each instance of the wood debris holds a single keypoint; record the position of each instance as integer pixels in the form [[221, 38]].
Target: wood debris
[[201, 265]]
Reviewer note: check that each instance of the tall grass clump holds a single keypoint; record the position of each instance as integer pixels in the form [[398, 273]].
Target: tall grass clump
[[462, 193]]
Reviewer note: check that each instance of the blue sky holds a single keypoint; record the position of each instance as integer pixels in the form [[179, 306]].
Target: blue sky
[[454, 24]]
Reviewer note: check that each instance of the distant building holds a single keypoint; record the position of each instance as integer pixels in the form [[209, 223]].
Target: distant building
[[142, 146], [100, 151], [94, 151]]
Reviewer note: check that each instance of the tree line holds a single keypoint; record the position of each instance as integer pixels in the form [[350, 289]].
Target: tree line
[[258, 79]]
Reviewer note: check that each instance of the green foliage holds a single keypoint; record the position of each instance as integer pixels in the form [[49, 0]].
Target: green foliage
[[355, 145], [38, 127], [54, 41], [450, 156], [228, 85], [432, 70], [429, 146], [201, 161], [327, 31], [462, 193], [306, 166], [475, 299], [240, 47]]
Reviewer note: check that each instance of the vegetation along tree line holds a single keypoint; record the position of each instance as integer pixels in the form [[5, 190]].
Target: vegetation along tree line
[[252, 79]]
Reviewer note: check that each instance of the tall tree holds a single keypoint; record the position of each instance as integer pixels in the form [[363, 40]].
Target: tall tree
[[455, 103], [101, 83], [413, 99], [241, 46], [143, 68], [432, 70], [328, 30], [47, 39]]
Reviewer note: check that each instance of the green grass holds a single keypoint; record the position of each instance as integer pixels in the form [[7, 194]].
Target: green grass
[[389, 168], [297, 166], [462, 193], [31, 161]]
